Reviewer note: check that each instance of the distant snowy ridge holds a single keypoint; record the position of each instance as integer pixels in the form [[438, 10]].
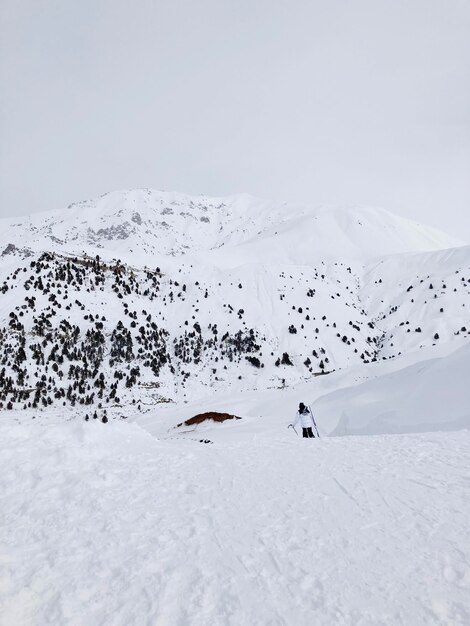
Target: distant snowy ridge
[[146, 223]]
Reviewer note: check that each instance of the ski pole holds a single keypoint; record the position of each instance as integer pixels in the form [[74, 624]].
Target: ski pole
[[291, 426], [314, 422]]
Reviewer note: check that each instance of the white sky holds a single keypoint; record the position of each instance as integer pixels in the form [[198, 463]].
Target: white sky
[[332, 101]]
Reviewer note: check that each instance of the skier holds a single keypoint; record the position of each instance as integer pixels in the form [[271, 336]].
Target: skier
[[306, 420]]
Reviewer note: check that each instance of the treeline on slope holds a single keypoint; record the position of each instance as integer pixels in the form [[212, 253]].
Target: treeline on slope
[[57, 361], [60, 347]]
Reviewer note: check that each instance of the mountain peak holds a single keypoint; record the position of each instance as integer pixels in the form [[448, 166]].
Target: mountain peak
[[240, 228]]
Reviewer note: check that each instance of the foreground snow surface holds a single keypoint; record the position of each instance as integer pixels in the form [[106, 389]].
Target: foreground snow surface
[[104, 524]]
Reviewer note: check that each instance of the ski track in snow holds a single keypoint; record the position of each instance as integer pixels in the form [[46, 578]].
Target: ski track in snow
[[104, 524]]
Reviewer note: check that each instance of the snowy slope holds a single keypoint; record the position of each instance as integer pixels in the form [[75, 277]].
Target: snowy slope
[[193, 329], [415, 297], [102, 524], [350, 234], [431, 395]]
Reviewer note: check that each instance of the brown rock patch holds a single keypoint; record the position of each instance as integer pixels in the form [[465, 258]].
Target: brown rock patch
[[211, 415]]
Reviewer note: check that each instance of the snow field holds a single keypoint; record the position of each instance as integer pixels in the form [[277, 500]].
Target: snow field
[[104, 524], [134, 522]]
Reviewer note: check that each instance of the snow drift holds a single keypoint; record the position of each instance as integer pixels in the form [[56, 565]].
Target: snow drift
[[428, 396]]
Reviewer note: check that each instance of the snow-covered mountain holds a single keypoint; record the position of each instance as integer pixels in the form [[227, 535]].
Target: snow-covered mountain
[[149, 296], [144, 309], [146, 223]]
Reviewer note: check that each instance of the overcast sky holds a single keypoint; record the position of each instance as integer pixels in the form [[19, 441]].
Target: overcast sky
[[333, 101]]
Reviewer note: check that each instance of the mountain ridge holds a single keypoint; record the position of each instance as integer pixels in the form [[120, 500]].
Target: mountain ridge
[[276, 303], [149, 223]]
